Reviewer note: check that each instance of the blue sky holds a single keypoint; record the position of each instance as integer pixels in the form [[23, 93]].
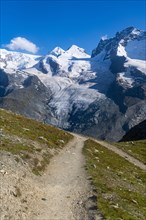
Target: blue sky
[[62, 23]]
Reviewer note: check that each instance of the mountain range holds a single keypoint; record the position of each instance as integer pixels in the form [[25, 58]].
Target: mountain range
[[101, 95]]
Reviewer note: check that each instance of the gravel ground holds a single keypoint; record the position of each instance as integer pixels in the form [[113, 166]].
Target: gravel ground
[[19, 189], [68, 193], [63, 192]]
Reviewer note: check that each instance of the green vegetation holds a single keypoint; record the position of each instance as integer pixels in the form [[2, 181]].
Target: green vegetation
[[27, 128], [119, 184], [30, 140], [136, 149]]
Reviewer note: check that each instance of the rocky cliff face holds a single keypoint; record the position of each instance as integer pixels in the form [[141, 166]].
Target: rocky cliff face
[[26, 95], [102, 96]]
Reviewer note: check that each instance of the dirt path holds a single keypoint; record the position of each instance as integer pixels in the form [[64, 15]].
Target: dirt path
[[122, 154], [68, 194], [64, 192]]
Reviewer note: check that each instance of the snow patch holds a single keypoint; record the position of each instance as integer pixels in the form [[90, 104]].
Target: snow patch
[[125, 80], [121, 51], [139, 64], [136, 32]]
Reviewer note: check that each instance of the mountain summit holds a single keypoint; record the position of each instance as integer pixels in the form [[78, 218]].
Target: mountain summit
[[102, 95], [128, 43], [77, 52], [57, 51]]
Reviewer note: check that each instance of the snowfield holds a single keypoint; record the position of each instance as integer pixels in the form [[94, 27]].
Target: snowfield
[[16, 60]]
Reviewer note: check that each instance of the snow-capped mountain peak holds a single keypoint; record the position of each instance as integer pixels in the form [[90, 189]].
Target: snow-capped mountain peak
[[130, 32], [57, 51], [77, 52], [129, 43], [17, 60], [75, 48], [70, 63]]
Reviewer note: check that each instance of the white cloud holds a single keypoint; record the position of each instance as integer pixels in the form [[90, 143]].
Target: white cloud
[[104, 37], [21, 43]]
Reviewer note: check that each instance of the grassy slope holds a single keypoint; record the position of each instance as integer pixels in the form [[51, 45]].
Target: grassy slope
[[136, 149], [30, 140], [120, 185]]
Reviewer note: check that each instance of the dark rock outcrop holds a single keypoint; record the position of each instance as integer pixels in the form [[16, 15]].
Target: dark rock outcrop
[[137, 132], [4, 82], [29, 99]]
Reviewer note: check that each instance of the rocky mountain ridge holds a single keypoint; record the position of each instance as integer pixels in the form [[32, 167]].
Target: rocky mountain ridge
[[103, 95]]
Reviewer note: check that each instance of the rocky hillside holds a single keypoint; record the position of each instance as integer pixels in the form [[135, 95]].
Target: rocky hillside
[[29, 140], [103, 96], [26, 147]]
